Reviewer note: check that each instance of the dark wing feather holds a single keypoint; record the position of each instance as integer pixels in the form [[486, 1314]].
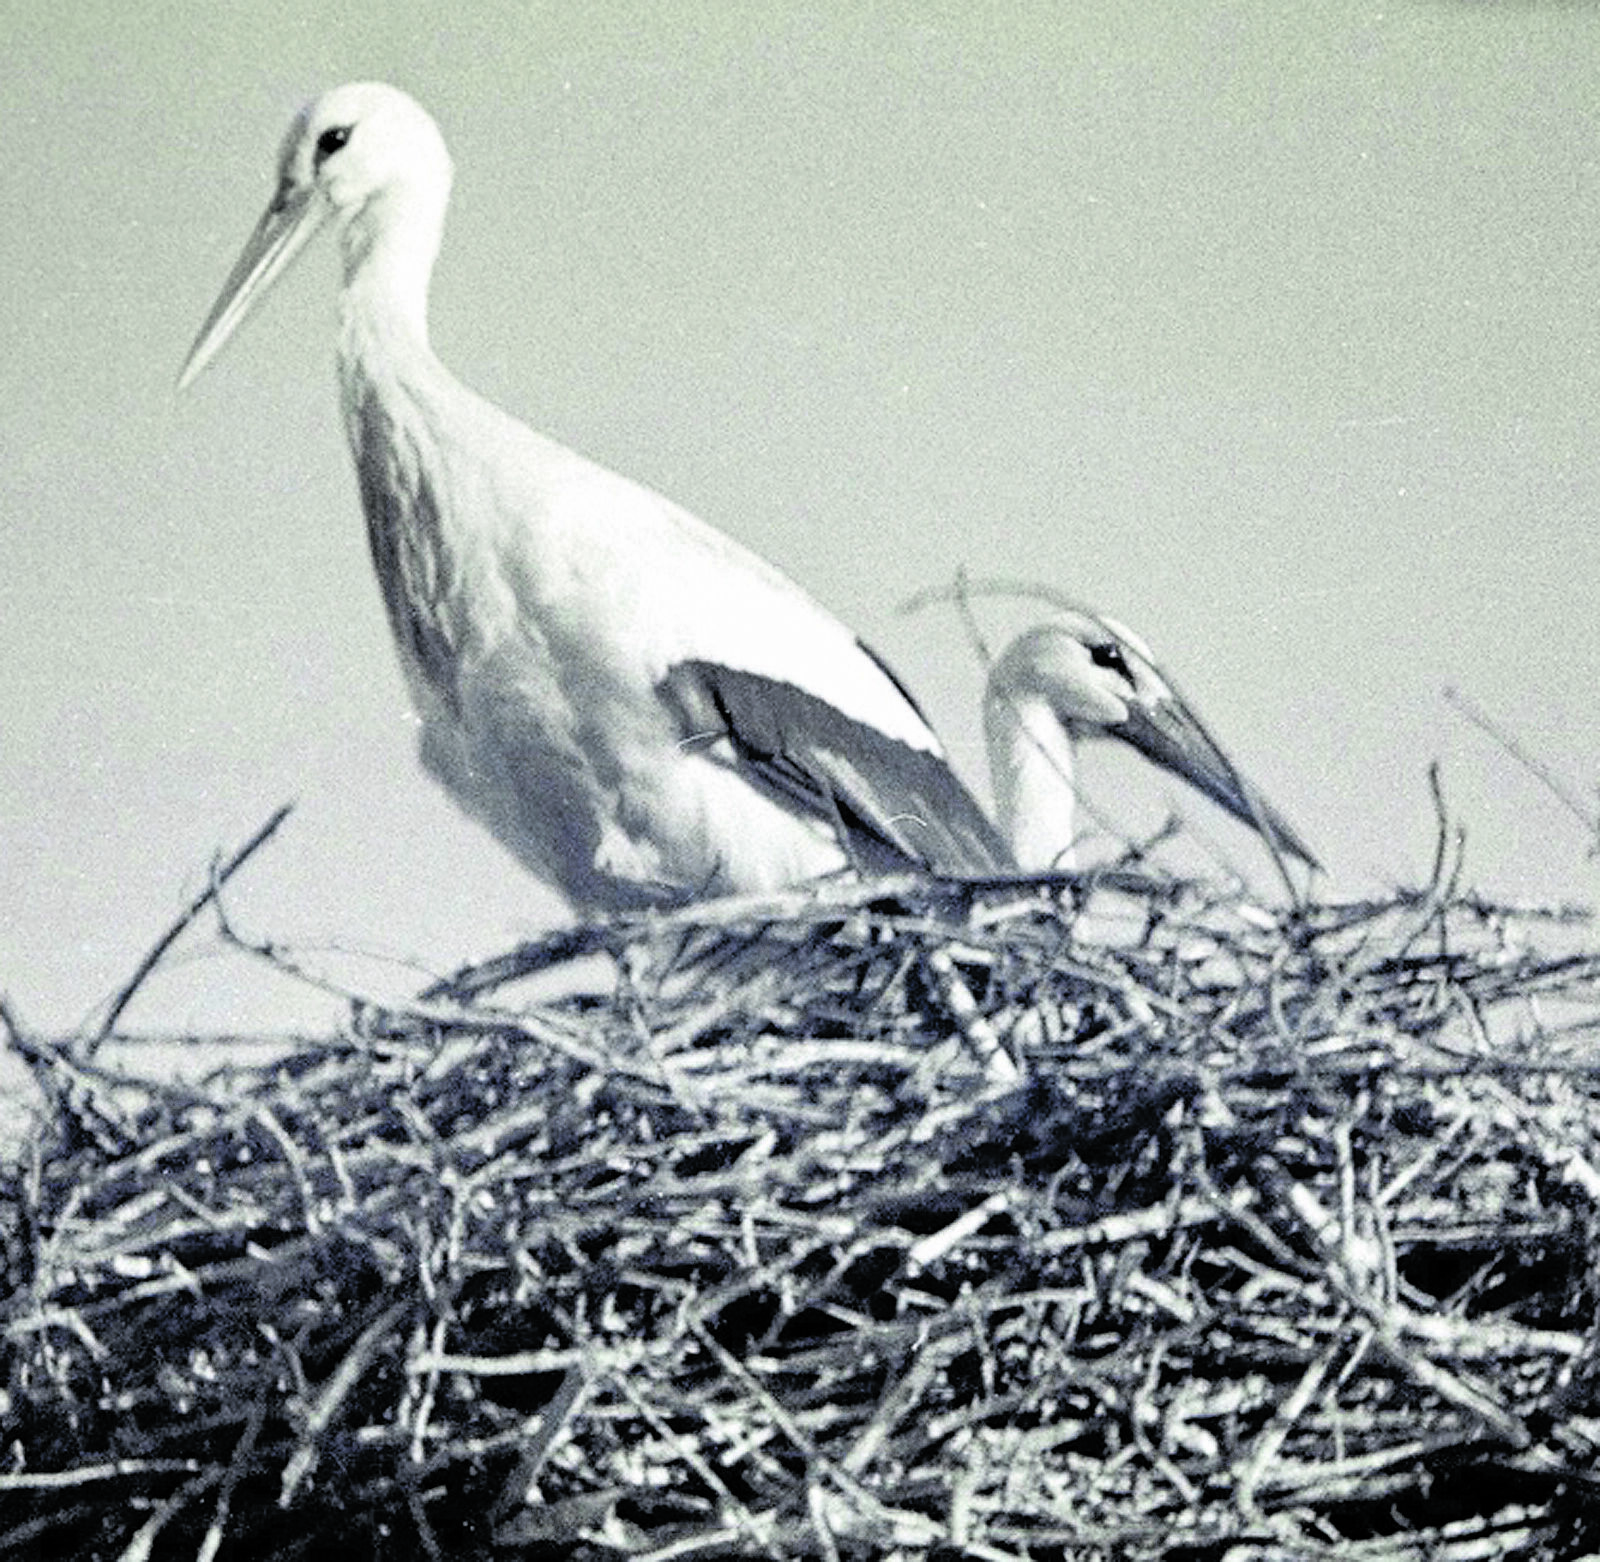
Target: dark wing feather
[[892, 804]]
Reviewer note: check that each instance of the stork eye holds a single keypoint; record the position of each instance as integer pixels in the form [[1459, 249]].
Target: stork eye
[[330, 142], [1109, 654]]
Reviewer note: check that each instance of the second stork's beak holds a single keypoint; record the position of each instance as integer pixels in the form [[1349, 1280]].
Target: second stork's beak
[[291, 219], [1170, 734]]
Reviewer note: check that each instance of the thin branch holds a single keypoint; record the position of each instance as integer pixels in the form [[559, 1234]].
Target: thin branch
[[1589, 818], [185, 918]]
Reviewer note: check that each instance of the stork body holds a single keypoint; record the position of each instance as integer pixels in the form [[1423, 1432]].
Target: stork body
[[1081, 676], [636, 706]]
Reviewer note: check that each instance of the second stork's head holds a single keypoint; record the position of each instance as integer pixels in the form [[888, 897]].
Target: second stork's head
[[1079, 676], [369, 158]]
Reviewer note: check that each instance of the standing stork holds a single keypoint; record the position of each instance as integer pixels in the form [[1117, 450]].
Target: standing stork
[[636, 706], [1082, 676]]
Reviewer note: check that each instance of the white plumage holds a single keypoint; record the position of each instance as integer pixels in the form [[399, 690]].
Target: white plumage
[[637, 707], [1082, 676]]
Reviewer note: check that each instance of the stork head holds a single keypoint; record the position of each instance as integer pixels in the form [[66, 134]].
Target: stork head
[[367, 156], [1098, 679]]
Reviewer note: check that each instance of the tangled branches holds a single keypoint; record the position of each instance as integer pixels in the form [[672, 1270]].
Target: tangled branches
[[1076, 1219]]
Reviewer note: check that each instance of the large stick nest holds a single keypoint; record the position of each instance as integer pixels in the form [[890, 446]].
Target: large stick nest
[[1098, 1219]]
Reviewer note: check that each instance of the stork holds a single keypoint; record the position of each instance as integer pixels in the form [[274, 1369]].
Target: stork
[[1079, 675], [636, 706]]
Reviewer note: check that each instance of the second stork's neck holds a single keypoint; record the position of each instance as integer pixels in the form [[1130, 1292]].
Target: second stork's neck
[[1031, 765]]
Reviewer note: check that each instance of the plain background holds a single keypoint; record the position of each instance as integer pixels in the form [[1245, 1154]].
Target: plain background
[[1268, 328]]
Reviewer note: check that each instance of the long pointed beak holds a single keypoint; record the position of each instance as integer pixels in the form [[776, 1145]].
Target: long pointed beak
[[1171, 735], [285, 225]]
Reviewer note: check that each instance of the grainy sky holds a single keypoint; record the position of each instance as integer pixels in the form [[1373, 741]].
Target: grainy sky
[[1270, 329]]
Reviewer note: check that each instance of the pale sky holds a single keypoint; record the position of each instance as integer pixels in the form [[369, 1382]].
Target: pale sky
[[1269, 329]]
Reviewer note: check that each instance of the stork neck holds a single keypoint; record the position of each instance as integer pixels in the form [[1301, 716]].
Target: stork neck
[[392, 389], [1031, 763], [389, 251]]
